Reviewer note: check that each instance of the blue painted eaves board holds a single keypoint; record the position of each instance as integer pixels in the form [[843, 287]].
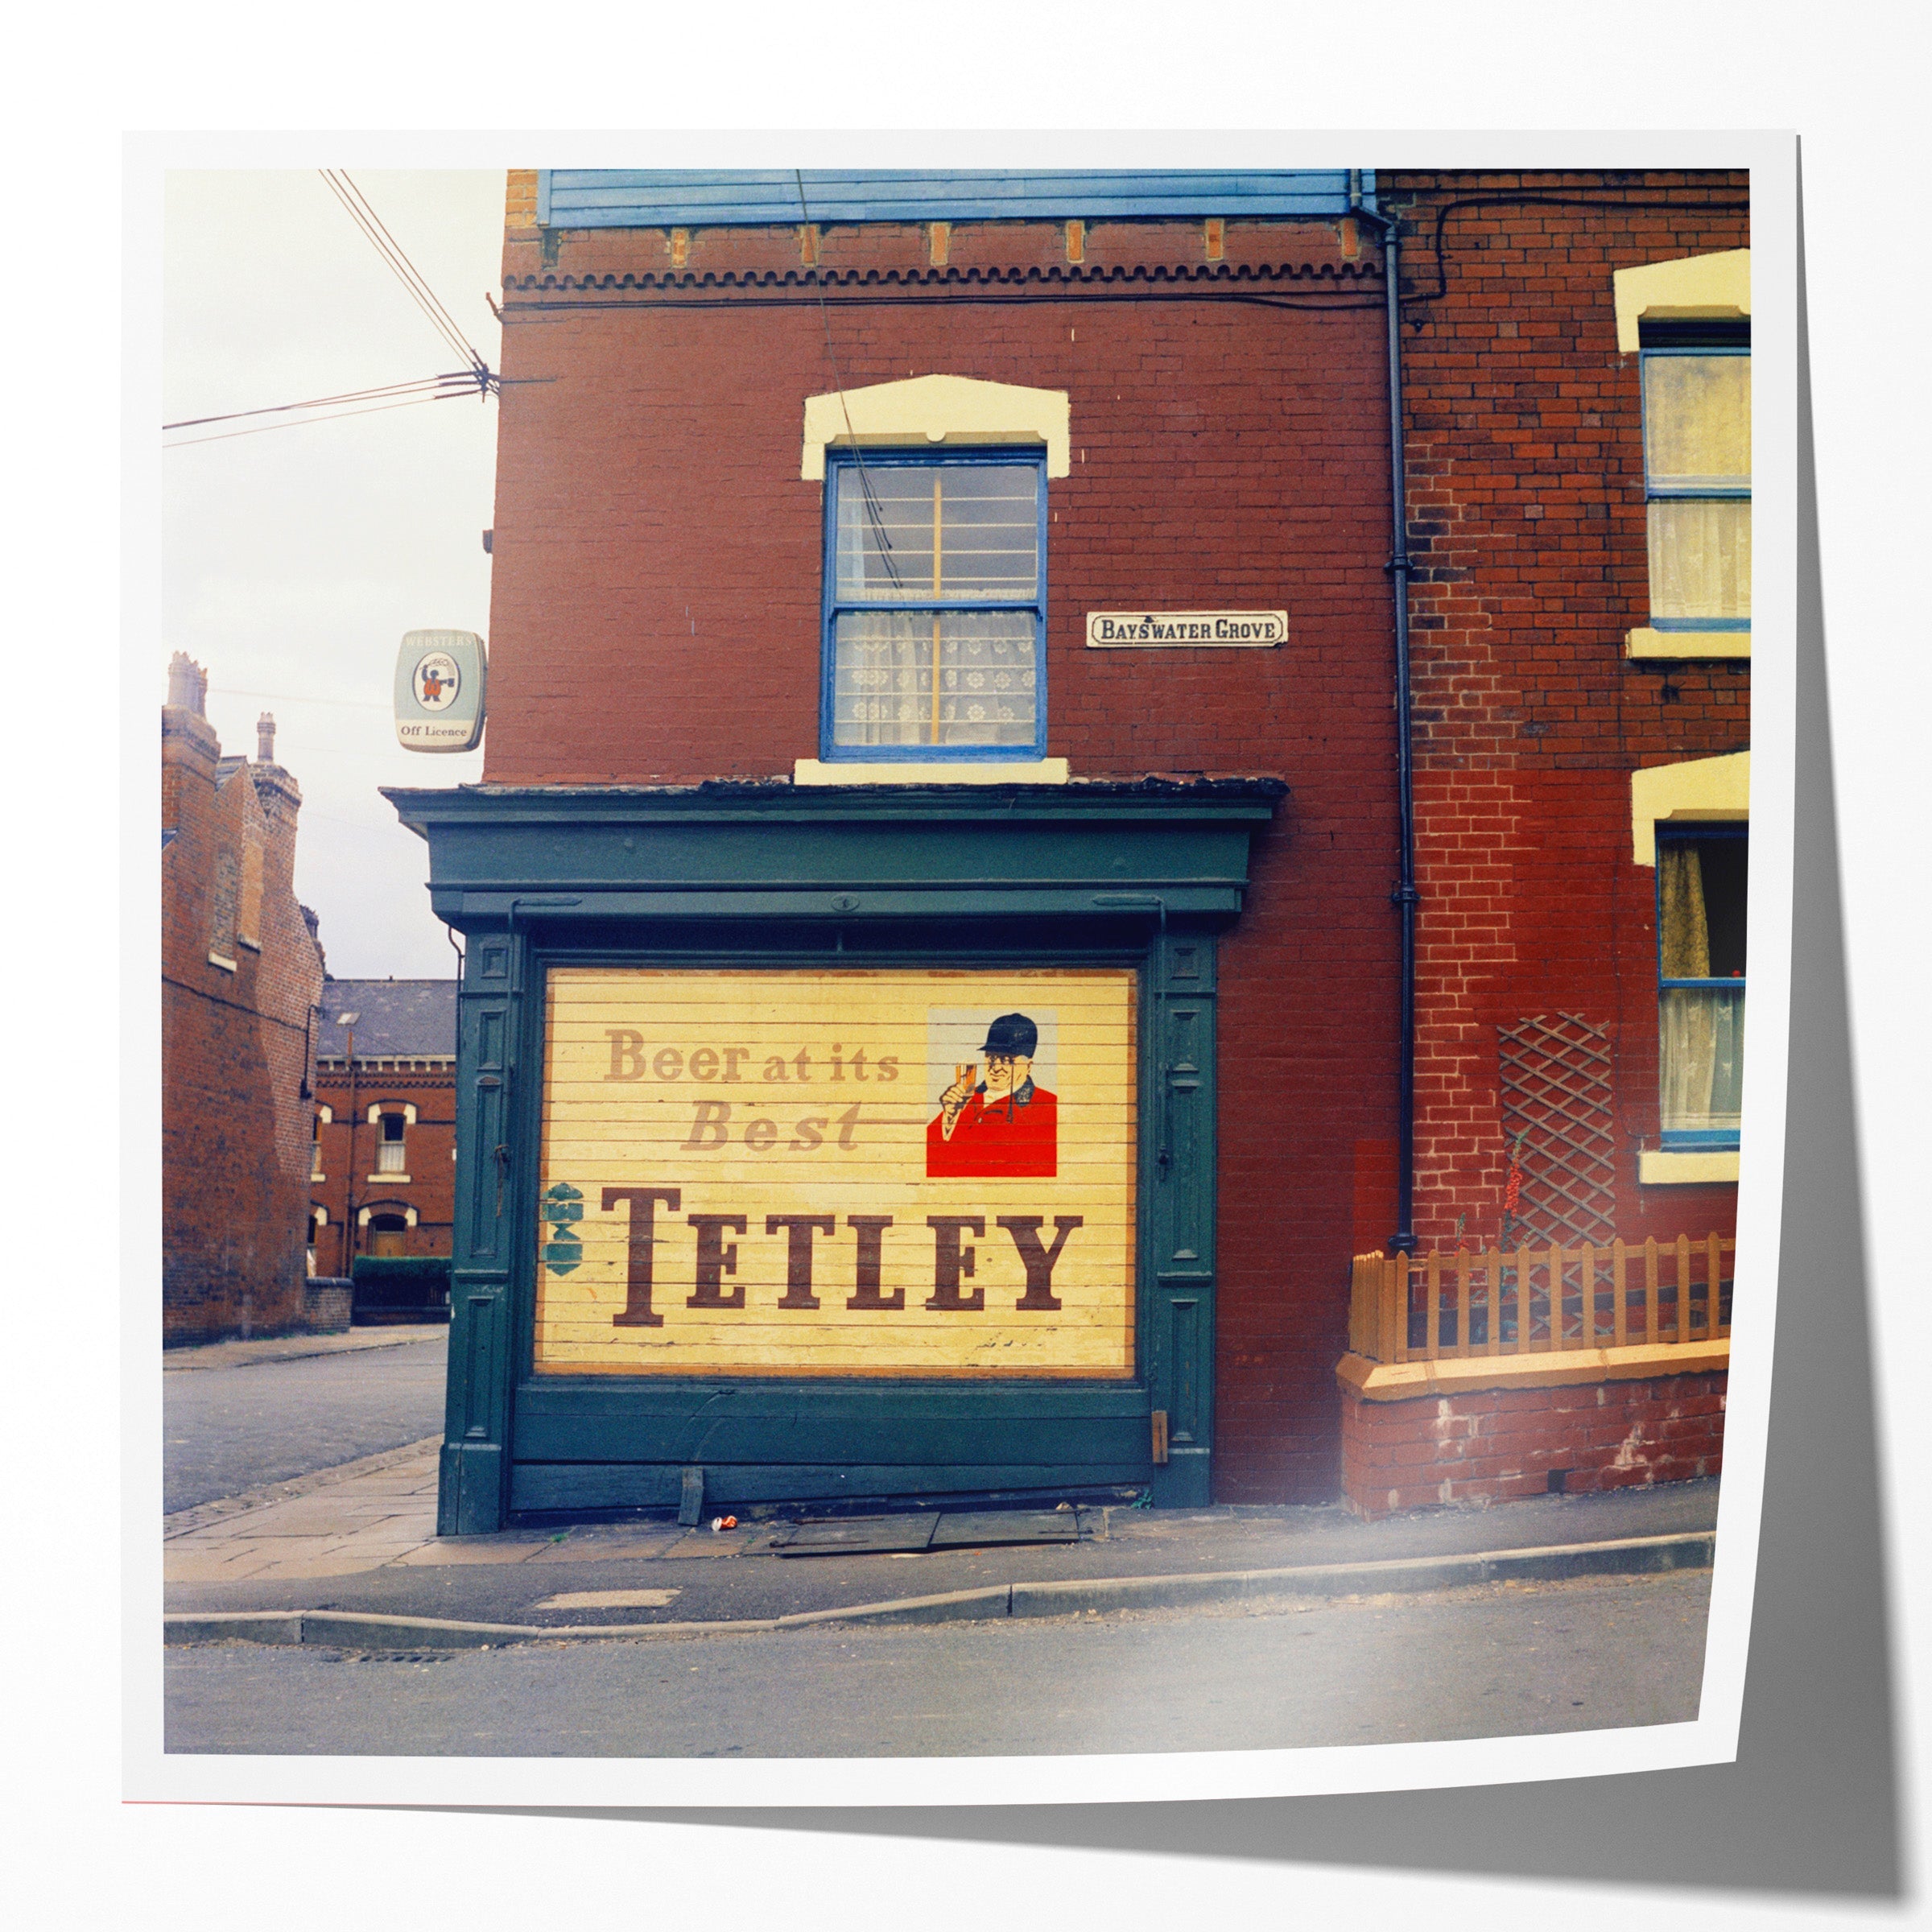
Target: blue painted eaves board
[[761, 197]]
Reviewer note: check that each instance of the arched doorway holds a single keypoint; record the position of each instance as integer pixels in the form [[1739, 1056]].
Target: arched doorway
[[386, 1234]]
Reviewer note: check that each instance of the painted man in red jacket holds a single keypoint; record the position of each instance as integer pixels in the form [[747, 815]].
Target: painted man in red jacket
[[1001, 1126]]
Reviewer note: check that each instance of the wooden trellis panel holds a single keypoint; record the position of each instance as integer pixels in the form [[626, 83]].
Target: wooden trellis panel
[[1556, 1094]]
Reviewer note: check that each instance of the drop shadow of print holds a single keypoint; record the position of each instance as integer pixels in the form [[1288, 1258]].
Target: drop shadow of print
[[1811, 1806]]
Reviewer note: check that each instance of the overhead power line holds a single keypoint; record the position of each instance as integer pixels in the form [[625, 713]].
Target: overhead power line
[[261, 429], [478, 379], [458, 383], [385, 244]]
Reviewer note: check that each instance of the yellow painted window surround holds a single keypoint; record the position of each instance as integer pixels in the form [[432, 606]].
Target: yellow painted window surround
[[1697, 416], [1717, 790], [948, 409], [938, 412], [1699, 1168], [1696, 791]]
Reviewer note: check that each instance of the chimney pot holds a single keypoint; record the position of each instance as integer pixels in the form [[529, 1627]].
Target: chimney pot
[[264, 738], [186, 685]]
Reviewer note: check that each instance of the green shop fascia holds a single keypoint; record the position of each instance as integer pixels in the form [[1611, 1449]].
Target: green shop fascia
[[731, 875]]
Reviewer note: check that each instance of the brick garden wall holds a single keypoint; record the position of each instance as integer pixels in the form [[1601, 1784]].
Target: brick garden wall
[[1493, 1444]]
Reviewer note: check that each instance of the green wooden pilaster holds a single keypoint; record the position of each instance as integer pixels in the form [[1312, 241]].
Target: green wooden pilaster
[[473, 1491], [1179, 1330]]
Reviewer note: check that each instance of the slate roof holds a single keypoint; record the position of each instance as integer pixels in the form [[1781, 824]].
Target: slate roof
[[393, 1017]]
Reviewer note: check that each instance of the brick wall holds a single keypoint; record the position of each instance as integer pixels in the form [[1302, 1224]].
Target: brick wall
[[1527, 529], [235, 1044], [1493, 1444]]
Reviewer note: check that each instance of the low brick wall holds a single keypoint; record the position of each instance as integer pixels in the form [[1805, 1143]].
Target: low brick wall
[[329, 1304], [1486, 1445]]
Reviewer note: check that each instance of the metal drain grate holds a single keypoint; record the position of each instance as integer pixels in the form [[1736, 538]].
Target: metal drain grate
[[1556, 1095], [967, 1529]]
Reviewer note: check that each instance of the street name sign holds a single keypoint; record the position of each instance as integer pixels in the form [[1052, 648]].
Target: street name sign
[[1131, 629]]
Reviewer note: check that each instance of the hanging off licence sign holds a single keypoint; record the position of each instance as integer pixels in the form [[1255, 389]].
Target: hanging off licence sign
[[1129, 629], [439, 679]]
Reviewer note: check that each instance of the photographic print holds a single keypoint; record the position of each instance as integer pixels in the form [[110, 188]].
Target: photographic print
[[979, 992]]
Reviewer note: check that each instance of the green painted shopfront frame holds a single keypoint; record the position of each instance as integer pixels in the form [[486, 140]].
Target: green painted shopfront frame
[[733, 874]]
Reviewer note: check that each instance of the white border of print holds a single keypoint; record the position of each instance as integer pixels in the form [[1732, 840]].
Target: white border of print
[[150, 1774]]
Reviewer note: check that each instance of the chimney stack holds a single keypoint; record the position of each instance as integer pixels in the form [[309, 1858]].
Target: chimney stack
[[186, 685], [264, 738]]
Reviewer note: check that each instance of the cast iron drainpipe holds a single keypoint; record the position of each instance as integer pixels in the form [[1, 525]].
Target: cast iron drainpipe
[[1405, 897]]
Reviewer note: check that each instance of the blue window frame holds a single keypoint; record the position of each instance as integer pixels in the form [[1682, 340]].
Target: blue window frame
[[1697, 478], [935, 637], [1703, 879]]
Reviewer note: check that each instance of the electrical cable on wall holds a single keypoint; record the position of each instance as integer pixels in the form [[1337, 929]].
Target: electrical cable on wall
[[873, 513]]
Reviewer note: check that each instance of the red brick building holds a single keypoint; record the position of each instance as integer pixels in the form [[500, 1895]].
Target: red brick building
[[382, 1177], [1562, 645], [241, 975], [785, 676]]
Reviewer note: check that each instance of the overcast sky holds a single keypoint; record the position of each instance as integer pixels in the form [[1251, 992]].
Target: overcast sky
[[296, 557]]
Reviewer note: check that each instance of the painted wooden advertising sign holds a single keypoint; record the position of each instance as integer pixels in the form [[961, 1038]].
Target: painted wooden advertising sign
[[866, 1173]]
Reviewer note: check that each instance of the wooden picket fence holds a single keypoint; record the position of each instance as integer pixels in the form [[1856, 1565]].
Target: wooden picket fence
[[1409, 1308]]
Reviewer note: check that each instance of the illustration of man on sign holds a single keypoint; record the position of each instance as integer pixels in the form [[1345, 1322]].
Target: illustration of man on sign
[[436, 681], [1000, 1125]]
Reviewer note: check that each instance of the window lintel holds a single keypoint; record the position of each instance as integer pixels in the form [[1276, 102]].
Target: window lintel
[[949, 411], [1707, 790], [1715, 287]]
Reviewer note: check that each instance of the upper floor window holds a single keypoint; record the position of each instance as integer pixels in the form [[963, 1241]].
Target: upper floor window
[[934, 605], [1697, 474], [391, 1152], [1702, 890]]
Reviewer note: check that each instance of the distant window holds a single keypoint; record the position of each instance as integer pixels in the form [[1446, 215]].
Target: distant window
[[1697, 476], [1702, 882], [935, 605]]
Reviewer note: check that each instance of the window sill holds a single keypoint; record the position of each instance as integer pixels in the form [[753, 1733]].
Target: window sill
[[388, 1180], [226, 964], [1648, 643], [1032, 771], [1656, 1168]]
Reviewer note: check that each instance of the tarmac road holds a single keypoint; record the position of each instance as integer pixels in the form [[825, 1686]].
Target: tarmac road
[[1487, 1660], [231, 1429]]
